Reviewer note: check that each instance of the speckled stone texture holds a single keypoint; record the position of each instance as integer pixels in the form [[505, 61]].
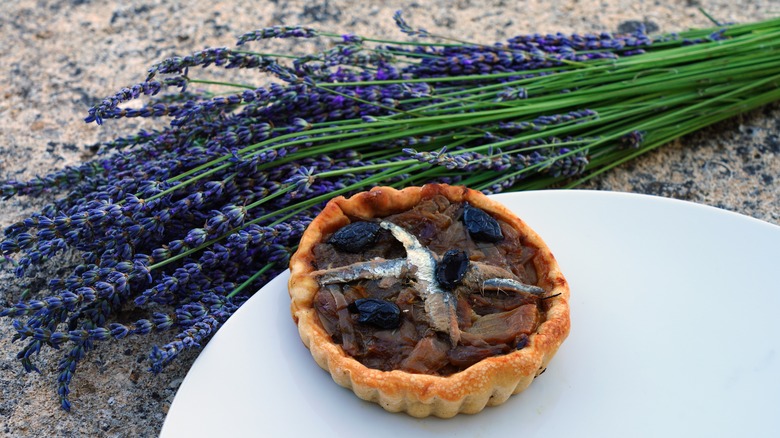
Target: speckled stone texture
[[57, 58]]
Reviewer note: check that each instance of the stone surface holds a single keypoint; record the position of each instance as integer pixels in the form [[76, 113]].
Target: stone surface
[[57, 58]]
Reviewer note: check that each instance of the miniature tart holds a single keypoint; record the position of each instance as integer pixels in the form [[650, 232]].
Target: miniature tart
[[432, 300]]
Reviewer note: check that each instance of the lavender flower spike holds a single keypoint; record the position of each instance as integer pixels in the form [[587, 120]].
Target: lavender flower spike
[[405, 28], [277, 32]]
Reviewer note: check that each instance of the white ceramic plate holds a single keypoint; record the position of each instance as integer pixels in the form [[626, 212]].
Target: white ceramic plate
[[675, 332]]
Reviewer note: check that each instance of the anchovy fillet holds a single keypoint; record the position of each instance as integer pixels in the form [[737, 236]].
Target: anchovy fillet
[[481, 276], [512, 285], [439, 303], [372, 270]]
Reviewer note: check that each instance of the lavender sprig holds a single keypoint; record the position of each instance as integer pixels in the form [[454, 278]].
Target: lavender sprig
[[108, 107], [404, 27], [277, 32]]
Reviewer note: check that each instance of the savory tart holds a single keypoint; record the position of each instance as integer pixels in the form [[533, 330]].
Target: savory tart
[[432, 300]]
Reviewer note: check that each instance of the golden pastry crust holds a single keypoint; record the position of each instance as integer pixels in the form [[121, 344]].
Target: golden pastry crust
[[490, 381]]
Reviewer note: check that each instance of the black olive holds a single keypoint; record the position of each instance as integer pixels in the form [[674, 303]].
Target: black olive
[[356, 236], [522, 341], [451, 268], [381, 313], [481, 225]]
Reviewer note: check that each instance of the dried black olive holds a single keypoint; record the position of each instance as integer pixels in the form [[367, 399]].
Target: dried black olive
[[522, 341], [356, 236], [481, 225], [381, 313], [450, 270]]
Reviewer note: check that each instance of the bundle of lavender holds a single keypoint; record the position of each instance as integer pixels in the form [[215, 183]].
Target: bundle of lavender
[[187, 221]]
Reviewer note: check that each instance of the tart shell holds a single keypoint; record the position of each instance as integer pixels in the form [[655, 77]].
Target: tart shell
[[489, 382]]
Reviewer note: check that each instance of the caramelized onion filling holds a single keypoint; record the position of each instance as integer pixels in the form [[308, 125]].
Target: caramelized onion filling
[[490, 321]]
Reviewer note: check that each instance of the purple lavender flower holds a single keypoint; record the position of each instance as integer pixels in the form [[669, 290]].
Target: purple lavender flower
[[108, 107], [277, 32], [350, 38], [633, 139], [405, 28], [219, 56]]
